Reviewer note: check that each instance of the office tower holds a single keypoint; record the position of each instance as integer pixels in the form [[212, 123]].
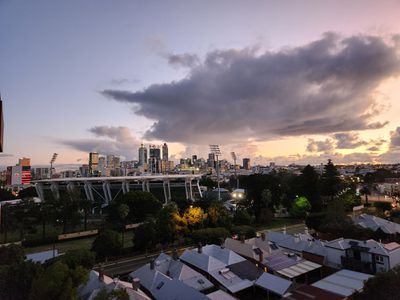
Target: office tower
[[110, 161], [142, 155], [1, 125], [246, 163], [93, 162], [194, 160], [211, 160], [165, 152], [25, 170], [154, 159]]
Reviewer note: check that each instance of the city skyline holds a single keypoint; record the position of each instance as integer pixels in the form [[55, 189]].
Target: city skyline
[[284, 82]]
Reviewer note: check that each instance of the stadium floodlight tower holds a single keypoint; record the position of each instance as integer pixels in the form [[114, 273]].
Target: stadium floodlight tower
[[234, 157], [53, 159], [217, 152]]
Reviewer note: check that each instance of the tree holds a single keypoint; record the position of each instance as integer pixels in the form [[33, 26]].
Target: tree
[[118, 294], [165, 223], [365, 190], [85, 205], [218, 215], [331, 183], [29, 192], [58, 282], [310, 187], [142, 205], [76, 258], [382, 286], [350, 199], [194, 216], [11, 254], [145, 236], [210, 235], [106, 244], [301, 207], [242, 217], [123, 211]]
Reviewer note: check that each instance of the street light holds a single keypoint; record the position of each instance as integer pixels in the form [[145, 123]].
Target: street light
[[233, 154], [217, 152], [53, 159]]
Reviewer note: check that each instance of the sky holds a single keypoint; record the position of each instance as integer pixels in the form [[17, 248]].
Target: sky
[[282, 81]]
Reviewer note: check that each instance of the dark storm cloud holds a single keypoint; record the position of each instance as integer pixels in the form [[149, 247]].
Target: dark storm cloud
[[348, 140], [187, 60], [323, 87], [320, 146], [395, 138], [110, 140]]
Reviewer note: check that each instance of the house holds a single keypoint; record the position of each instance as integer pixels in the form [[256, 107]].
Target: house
[[274, 259], [215, 262], [366, 256], [220, 295], [274, 284], [375, 223], [343, 283], [174, 269], [98, 281]]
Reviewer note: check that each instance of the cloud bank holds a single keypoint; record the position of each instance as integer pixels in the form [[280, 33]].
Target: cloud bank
[[326, 86]]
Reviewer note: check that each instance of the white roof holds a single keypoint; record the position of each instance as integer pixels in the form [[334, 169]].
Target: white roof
[[302, 267], [92, 284], [245, 249], [43, 256], [225, 255], [274, 283], [202, 260], [374, 223], [343, 282], [230, 280], [173, 269], [220, 295]]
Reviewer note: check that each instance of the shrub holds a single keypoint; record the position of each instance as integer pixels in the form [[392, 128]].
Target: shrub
[[242, 217], [244, 230], [209, 235], [107, 243]]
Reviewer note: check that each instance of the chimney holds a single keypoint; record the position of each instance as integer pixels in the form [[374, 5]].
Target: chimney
[[242, 239], [221, 243], [284, 229], [263, 236], [261, 256], [199, 248], [135, 283], [101, 274], [175, 254], [152, 264]]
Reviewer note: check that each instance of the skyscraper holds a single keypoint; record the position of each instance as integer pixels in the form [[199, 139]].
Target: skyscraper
[[165, 152], [142, 155], [246, 163], [154, 159], [1, 125], [93, 162], [211, 160]]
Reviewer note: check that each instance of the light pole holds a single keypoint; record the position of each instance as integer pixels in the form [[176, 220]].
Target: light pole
[[53, 159], [233, 154], [217, 152]]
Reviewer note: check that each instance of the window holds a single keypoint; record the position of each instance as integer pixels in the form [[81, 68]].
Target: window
[[379, 259]]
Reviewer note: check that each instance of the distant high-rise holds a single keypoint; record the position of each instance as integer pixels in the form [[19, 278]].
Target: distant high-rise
[[194, 160], [142, 155], [246, 163], [154, 159], [93, 162], [1, 125], [211, 160], [165, 152]]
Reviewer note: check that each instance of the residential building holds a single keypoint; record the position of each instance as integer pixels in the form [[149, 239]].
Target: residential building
[[174, 269], [154, 159], [375, 223]]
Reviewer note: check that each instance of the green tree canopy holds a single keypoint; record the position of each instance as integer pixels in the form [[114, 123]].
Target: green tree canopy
[[107, 243], [301, 206], [331, 182]]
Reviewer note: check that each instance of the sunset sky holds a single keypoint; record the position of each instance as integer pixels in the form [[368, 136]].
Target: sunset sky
[[283, 81]]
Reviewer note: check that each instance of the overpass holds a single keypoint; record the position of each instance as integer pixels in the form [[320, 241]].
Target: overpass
[[101, 187]]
